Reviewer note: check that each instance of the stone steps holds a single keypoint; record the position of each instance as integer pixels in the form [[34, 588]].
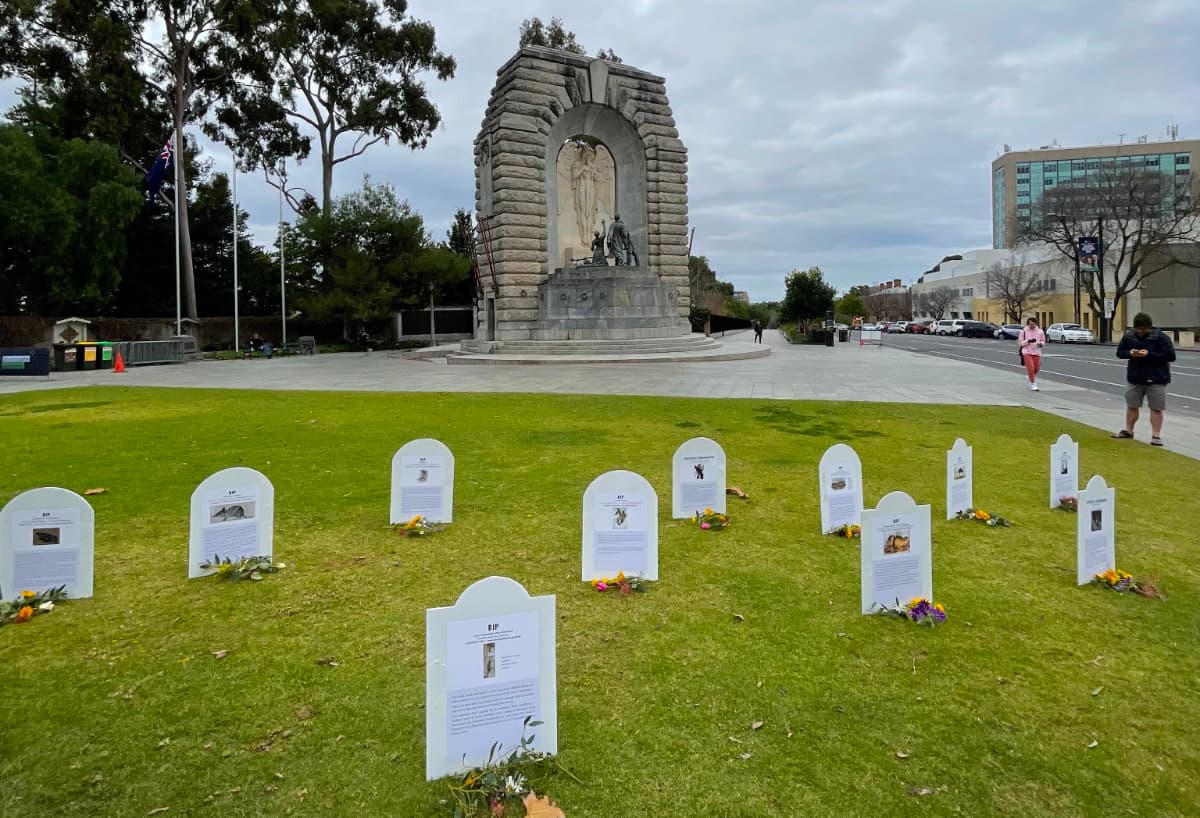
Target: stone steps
[[650, 350]]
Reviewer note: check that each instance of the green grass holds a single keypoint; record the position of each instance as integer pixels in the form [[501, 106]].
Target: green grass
[[115, 706]]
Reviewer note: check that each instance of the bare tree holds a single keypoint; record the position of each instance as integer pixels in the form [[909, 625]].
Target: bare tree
[[1016, 287], [889, 305], [936, 301], [1146, 220]]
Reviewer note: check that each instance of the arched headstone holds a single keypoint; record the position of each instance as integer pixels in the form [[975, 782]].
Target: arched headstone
[[697, 478], [423, 481], [840, 473], [490, 670], [620, 527], [1095, 531], [960, 479], [897, 552], [1064, 470], [232, 517], [47, 539]]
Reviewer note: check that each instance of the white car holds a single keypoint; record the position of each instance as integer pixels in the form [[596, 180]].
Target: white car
[[1069, 333], [948, 326], [897, 326]]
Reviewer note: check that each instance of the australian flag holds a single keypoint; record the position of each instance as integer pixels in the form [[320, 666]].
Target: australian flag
[[158, 172]]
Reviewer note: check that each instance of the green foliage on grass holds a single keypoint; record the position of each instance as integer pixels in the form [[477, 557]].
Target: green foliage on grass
[[117, 705]]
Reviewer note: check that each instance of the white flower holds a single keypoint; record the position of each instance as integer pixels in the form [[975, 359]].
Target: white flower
[[515, 784], [46, 606]]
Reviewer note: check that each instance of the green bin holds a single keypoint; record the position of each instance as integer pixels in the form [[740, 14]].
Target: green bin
[[66, 357], [106, 354]]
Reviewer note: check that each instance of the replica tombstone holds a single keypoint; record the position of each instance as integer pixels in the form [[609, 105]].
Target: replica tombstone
[[489, 671], [840, 473], [960, 478], [897, 553], [1064, 470], [1096, 531], [232, 517], [620, 527], [581, 186], [47, 539], [697, 478], [423, 482]]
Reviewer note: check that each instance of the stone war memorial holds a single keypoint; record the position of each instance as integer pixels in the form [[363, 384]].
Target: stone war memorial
[[581, 192]]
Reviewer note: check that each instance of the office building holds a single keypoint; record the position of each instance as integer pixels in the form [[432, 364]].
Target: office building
[[1020, 178]]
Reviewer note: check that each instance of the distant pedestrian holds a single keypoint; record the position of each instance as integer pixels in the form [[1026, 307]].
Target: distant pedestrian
[[1030, 341], [1150, 353], [757, 332]]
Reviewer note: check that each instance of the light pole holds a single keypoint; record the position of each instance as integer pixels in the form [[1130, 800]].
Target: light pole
[[236, 338]]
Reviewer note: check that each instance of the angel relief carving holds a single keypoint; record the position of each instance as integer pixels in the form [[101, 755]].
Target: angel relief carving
[[586, 193]]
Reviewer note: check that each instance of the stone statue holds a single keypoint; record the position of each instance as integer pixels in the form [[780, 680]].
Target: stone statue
[[618, 240], [585, 183], [586, 191], [598, 256]]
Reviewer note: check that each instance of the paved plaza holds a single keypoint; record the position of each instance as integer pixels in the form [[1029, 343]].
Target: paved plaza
[[845, 373]]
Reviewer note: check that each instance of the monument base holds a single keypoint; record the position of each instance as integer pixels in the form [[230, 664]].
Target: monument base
[[599, 303]]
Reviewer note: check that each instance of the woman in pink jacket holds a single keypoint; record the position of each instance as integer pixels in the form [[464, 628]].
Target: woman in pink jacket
[[1030, 341]]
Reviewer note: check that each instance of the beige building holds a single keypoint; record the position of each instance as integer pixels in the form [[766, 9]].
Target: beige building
[[1020, 178]]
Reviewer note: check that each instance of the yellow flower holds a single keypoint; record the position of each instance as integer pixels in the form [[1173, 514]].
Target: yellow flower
[[982, 515], [28, 594], [595, 582], [620, 577], [708, 512], [916, 600], [24, 614], [413, 522], [938, 605]]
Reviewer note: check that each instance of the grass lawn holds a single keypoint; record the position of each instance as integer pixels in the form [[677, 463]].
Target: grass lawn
[[116, 706]]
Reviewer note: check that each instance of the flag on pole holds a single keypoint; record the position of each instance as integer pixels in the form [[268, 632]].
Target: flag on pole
[[158, 172]]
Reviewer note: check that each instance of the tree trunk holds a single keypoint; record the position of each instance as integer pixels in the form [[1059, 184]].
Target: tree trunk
[[326, 182]]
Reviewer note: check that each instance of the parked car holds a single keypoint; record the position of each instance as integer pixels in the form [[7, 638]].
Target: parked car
[[882, 326], [948, 326], [897, 326], [869, 327], [1008, 332], [916, 327], [1069, 333], [977, 329]]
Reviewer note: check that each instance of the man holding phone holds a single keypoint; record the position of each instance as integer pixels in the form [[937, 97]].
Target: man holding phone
[[1150, 353]]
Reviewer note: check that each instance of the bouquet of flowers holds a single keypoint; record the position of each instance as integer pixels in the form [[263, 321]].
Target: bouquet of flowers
[[254, 568], [626, 585], [979, 515], [851, 531], [28, 604], [919, 610], [1123, 582], [1068, 503], [419, 526], [709, 520], [503, 782]]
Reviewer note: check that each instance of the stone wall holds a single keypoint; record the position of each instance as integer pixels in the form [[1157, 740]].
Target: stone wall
[[514, 161]]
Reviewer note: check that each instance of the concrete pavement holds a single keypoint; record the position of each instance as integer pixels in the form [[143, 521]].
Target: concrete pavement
[[845, 373]]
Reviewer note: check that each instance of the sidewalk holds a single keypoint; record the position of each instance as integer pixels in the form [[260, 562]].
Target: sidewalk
[[844, 373]]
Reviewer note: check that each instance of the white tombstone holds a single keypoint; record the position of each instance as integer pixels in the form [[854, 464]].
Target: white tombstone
[[1095, 531], [960, 476], [897, 553], [489, 668], [840, 473], [423, 482], [697, 478], [620, 527], [47, 539], [1064, 470], [232, 517]]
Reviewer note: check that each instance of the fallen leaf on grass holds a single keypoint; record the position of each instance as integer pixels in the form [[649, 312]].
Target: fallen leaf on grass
[[220, 654], [1096, 692], [756, 726], [737, 492], [744, 756], [900, 754], [920, 791], [789, 735], [164, 743], [304, 714], [759, 683], [738, 618], [1093, 744], [735, 740], [327, 661], [158, 811], [541, 807], [93, 493]]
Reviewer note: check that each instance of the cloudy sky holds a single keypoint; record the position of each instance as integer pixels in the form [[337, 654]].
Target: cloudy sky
[[856, 135]]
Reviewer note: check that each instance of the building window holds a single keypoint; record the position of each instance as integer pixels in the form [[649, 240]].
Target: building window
[[954, 315], [968, 291], [1183, 159], [967, 315]]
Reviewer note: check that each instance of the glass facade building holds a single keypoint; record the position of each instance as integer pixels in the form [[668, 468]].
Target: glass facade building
[[1021, 178]]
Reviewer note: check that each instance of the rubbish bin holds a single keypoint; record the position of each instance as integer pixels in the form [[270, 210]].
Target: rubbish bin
[[66, 357], [843, 335], [828, 337], [105, 358], [87, 355]]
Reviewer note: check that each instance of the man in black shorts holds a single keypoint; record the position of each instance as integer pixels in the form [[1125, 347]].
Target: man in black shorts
[[1150, 354]]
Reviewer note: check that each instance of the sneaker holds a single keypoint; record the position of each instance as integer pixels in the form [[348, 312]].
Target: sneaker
[[1034, 387], [1030, 385], [1156, 441]]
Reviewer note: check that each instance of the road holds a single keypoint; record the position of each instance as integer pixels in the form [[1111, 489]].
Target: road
[[1092, 367]]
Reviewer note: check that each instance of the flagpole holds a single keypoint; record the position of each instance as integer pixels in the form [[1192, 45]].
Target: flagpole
[[237, 345], [178, 291], [282, 265]]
